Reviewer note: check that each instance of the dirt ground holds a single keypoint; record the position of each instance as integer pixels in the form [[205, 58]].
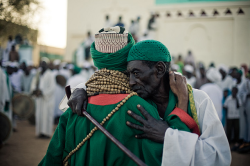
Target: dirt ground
[[25, 149]]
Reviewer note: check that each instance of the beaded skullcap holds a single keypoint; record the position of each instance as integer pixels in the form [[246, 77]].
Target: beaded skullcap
[[149, 50], [111, 48], [111, 39]]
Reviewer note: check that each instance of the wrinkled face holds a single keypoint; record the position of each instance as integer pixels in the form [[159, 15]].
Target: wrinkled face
[[143, 79]]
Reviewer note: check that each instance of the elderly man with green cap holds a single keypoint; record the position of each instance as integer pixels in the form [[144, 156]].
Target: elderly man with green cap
[[193, 134], [77, 141], [146, 62]]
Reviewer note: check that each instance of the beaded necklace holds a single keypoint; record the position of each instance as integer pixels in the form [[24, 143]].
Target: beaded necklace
[[105, 82]]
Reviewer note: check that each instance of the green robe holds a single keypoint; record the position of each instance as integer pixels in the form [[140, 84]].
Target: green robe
[[99, 150]]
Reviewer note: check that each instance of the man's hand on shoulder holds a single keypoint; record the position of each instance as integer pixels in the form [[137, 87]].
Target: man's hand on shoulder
[[178, 85], [78, 101], [153, 129]]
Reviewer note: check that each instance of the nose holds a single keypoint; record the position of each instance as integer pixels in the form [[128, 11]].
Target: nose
[[132, 81]]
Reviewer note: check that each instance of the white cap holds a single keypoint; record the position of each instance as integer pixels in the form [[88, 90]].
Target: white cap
[[189, 68], [86, 64], [70, 66], [56, 62], [45, 59], [223, 67], [213, 75], [175, 67], [12, 64]]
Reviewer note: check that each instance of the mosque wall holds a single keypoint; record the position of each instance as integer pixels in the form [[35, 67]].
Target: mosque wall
[[89, 15], [214, 31]]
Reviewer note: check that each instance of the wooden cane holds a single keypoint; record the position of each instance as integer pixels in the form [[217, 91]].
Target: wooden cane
[[110, 136]]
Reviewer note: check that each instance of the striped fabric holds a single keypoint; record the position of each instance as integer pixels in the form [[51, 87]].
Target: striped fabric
[[110, 42]]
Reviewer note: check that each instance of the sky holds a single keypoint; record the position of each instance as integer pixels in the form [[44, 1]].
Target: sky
[[53, 23]]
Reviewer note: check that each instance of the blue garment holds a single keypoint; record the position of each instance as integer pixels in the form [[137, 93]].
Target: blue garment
[[120, 24]]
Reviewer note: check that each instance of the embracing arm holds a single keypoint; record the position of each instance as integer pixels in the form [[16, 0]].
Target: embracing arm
[[211, 148]]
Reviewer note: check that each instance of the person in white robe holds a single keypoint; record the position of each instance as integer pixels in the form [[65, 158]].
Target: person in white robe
[[137, 27], [59, 94], [244, 94], [6, 52], [64, 70], [43, 89], [108, 23], [15, 77], [7, 94], [188, 149], [240, 84], [213, 90], [26, 80], [226, 81], [189, 70], [79, 76]]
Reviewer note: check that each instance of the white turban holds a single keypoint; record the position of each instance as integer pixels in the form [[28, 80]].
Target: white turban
[[45, 59], [86, 64], [175, 67], [213, 75], [189, 68], [12, 64], [223, 67], [56, 62]]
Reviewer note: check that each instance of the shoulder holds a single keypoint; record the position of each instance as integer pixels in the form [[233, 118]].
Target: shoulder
[[200, 96]]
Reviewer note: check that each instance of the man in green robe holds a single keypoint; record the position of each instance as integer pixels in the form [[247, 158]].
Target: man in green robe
[[93, 147]]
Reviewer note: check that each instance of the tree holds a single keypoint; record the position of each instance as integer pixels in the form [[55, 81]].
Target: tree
[[17, 16]]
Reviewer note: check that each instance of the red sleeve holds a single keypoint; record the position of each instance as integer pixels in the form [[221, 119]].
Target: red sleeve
[[188, 120]]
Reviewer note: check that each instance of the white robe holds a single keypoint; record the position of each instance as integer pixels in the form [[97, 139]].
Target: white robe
[[216, 95], [59, 94], [45, 105], [78, 78], [15, 79], [187, 149], [191, 81], [227, 83], [5, 94]]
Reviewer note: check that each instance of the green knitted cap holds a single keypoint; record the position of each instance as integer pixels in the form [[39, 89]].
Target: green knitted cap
[[149, 50]]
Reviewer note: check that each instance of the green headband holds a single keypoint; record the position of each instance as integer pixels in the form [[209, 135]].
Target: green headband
[[112, 61], [149, 50]]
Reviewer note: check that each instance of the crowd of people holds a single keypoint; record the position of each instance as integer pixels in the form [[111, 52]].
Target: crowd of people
[[43, 83], [229, 89]]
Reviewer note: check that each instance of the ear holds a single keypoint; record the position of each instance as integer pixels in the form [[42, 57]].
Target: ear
[[161, 69]]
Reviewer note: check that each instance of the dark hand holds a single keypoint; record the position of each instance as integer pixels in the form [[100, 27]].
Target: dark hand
[[153, 129], [78, 101], [39, 93], [178, 85]]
